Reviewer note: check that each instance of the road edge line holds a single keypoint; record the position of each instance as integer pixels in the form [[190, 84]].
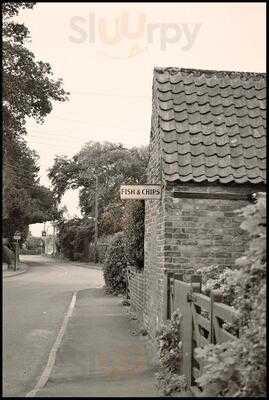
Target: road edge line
[[52, 355]]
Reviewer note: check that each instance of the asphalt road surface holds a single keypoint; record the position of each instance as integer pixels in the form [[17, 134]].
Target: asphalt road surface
[[34, 305]]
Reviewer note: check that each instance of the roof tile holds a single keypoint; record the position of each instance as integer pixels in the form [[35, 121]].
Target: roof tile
[[212, 125]]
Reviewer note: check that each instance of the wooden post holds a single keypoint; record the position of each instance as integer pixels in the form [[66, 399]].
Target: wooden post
[[211, 317], [178, 277], [15, 261], [168, 301], [196, 283], [186, 290], [196, 287], [54, 239], [18, 252], [96, 217], [128, 273], [172, 293]]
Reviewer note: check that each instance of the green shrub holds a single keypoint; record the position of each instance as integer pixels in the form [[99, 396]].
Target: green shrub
[[74, 237], [115, 266], [222, 280], [33, 245], [133, 223], [170, 380], [32, 252], [7, 256], [103, 245]]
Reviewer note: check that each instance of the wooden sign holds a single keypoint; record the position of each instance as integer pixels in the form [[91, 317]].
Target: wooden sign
[[142, 192], [17, 236]]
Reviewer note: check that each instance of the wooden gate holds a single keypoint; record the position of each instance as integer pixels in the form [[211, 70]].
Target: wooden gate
[[205, 320]]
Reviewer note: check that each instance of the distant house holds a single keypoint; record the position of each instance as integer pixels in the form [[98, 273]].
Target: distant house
[[207, 147]]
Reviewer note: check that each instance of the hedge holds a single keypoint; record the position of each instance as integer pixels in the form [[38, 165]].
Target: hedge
[[115, 266]]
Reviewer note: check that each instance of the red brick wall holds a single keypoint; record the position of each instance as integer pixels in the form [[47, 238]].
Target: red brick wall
[[137, 292], [154, 232], [188, 233], [203, 232]]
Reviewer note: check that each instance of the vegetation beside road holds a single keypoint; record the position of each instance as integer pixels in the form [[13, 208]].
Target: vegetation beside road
[[236, 368], [114, 165], [29, 90]]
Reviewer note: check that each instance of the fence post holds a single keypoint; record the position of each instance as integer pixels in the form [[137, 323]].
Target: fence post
[[128, 281], [169, 290], [197, 279], [187, 332], [211, 317], [179, 277]]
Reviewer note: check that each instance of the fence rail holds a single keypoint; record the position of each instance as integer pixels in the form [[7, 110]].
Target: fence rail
[[204, 321]]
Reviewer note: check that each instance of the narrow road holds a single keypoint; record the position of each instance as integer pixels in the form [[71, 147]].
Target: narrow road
[[34, 305]]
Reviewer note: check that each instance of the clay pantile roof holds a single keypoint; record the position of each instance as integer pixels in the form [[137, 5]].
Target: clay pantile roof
[[212, 125]]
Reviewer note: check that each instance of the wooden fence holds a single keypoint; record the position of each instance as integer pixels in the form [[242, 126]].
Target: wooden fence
[[204, 320]]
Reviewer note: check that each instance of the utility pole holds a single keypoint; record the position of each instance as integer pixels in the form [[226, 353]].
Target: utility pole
[[96, 207], [96, 217], [16, 237], [44, 240], [54, 239]]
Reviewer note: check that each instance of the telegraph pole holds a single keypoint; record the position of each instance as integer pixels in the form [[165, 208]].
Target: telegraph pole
[[54, 239], [96, 217], [16, 237], [96, 206], [44, 239]]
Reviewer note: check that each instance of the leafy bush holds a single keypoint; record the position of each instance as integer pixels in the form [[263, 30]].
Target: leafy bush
[[31, 252], [222, 280], [221, 374], [133, 223], [7, 256], [238, 368], [110, 220], [169, 341], [115, 266], [33, 245], [73, 238], [103, 245]]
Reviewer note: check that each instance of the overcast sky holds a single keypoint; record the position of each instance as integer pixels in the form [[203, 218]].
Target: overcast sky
[[105, 54]]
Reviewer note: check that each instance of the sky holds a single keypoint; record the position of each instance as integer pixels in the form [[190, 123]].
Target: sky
[[105, 53]]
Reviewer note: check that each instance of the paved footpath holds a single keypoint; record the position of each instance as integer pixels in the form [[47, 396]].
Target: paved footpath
[[35, 305], [98, 356]]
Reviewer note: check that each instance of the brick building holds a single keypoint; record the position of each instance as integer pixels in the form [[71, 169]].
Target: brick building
[[207, 149]]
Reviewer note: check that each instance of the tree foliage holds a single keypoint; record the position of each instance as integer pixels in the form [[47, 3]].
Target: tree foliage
[[115, 266], [133, 223], [110, 221], [73, 238], [28, 85], [169, 340], [28, 92], [25, 201], [112, 163]]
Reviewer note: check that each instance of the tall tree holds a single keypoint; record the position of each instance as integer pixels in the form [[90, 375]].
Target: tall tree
[[28, 84], [28, 92], [25, 201], [113, 164]]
